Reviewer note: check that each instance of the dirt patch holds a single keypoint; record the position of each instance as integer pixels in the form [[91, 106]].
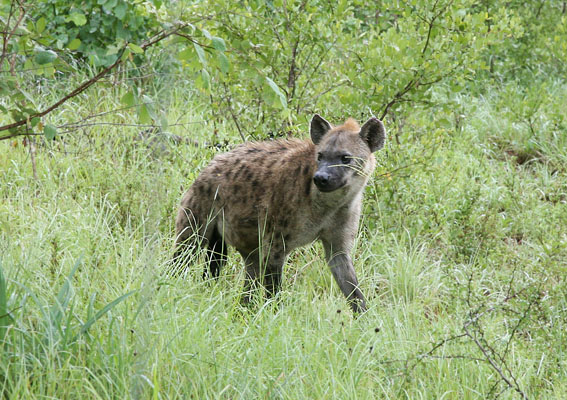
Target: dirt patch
[[525, 156], [515, 239]]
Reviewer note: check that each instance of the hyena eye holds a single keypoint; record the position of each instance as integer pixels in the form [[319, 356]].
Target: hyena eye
[[346, 159], [319, 156]]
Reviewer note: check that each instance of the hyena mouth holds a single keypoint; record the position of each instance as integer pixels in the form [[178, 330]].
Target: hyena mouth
[[327, 186]]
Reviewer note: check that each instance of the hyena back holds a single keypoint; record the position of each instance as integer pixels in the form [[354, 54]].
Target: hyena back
[[268, 198]]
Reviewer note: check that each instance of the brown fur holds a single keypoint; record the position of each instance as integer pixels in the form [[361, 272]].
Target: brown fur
[[261, 198], [350, 125]]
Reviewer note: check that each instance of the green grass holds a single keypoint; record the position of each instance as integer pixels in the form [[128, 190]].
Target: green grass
[[461, 232]]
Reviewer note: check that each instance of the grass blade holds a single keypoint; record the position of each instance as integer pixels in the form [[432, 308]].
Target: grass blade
[[4, 314], [86, 326], [63, 297]]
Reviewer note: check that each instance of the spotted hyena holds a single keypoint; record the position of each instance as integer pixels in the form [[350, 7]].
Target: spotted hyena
[[268, 198]]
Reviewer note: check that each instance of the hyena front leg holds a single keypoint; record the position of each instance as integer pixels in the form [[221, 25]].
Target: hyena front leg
[[342, 269]]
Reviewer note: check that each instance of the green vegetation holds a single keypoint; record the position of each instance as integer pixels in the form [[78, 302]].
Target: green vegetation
[[463, 244]]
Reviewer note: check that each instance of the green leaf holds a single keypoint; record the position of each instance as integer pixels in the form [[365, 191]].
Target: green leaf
[[128, 99], [114, 48], [63, 297], [17, 114], [200, 54], [40, 25], [144, 115], [45, 57], [445, 123], [342, 6], [135, 48], [77, 18], [223, 63], [149, 103], [206, 34], [219, 44], [203, 82], [186, 55], [49, 131], [125, 55], [28, 66], [278, 92], [164, 123], [34, 121], [74, 44], [120, 10]]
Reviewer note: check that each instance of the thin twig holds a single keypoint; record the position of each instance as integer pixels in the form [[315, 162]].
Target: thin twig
[[31, 142], [316, 68], [495, 366], [397, 97], [415, 81], [233, 115], [8, 36], [292, 76], [77, 126]]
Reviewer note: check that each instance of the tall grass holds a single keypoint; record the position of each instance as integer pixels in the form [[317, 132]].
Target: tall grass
[[460, 230]]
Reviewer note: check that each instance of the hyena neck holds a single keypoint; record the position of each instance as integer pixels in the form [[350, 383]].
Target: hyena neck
[[324, 204]]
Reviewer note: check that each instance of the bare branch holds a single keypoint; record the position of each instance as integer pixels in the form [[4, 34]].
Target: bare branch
[[495, 366], [398, 96], [233, 115], [292, 76]]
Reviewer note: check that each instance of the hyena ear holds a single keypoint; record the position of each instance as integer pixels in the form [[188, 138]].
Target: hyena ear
[[373, 133], [319, 127]]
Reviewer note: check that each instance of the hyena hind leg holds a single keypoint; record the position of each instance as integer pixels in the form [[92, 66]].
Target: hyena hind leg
[[184, 252], [216, 254], [190, 238]]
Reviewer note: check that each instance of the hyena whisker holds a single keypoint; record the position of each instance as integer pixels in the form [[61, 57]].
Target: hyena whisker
[[356, 168]]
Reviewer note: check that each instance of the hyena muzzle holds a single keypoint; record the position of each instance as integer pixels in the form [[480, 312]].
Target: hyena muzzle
[[268, 198]]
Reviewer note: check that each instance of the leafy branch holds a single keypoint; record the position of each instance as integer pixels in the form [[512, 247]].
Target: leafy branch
[[85, 85]]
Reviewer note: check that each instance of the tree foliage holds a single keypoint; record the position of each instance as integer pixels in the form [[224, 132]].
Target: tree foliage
[[92, 29], [48, 38], [53, 39], [262, 64], [367, 59]]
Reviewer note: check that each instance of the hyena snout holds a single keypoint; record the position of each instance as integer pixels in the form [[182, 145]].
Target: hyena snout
[[322, 180], [329, 179]]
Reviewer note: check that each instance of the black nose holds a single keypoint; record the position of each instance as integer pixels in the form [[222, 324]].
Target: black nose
[[321, 179]]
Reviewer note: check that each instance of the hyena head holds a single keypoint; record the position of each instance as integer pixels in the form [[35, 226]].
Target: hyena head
[[344, 153]]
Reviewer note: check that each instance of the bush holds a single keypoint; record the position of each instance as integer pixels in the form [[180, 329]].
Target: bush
[[93, 29]]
